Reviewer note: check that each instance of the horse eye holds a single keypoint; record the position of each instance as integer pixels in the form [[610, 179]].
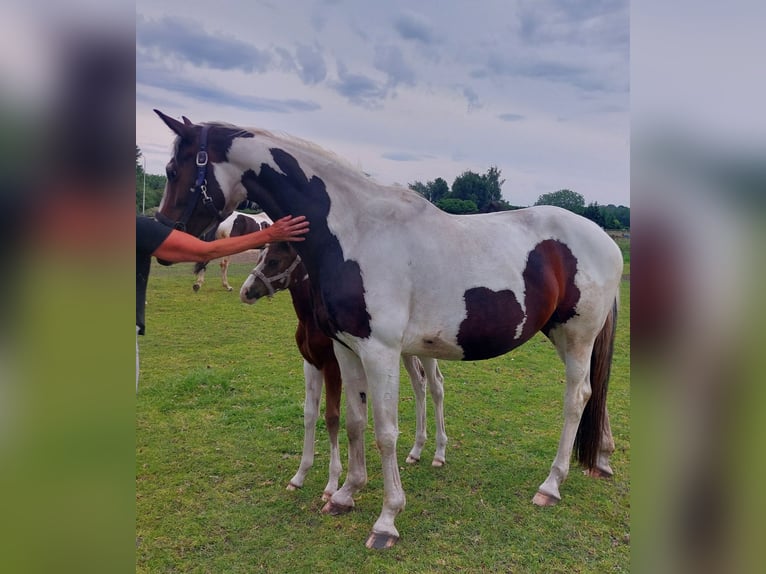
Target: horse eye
[[171, 173]]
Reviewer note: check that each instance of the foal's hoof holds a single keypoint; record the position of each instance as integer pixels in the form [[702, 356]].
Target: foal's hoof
[[597, 473], [544, 499], [438, 463], [292, 487], [335, 509], [326, 496], [229, 288], [379, 541], [195, 287], [411, 459]]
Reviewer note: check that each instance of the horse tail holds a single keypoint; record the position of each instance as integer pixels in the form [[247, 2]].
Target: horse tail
[[588, 439]]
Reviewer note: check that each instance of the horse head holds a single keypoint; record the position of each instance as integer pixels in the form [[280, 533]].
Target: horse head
[[194, 200], [273, 272]]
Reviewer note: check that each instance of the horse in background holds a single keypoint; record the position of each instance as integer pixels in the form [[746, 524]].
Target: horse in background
[[279, 267], [236, 224]]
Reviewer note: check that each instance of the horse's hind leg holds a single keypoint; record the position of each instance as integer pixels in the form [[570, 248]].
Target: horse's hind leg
[[333, 385], [576, 356], [313, 378], [417, 377], [200, 277], [436, 388]]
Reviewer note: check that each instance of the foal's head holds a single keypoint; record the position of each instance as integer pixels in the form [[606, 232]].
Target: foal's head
[[275, 268]]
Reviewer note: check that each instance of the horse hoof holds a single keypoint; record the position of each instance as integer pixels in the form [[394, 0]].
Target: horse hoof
[[412, 460], [335, 509], [195, 287], [379, 541], [229, 288], [327, 495], [438, 463], [292, 487], [543, 499], [597, 473]]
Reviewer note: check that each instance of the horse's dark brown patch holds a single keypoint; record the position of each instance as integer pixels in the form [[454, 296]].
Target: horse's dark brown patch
[[338, 289], [493, 317]]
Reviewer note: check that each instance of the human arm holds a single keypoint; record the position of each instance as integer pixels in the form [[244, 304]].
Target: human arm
[[180, 246]]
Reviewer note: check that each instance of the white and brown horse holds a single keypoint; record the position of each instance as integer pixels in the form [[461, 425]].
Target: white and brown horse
[[432, 284], [236, 224], [279, 267]]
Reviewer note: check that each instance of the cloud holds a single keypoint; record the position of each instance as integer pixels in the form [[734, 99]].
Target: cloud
[[511, 117], [359, 89], [472, 98], [404, 156], [167, 80], [311, 65], [390, 61], [414, 27], [186, 40]]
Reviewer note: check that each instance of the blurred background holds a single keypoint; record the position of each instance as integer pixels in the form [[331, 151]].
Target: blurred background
[[698, 178]]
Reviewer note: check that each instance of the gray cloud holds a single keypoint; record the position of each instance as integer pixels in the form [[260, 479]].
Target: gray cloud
[[187, 40], [359, 89], [390, 60], [167, 80], [510, 117], [404, 156], [412, 26], [311, 65]]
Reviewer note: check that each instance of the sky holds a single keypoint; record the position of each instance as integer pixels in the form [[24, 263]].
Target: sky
[[404, 91]]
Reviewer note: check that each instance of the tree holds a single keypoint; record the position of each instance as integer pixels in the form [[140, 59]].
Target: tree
[[593, 212], [459, 206], [565, 198], [433, 191]]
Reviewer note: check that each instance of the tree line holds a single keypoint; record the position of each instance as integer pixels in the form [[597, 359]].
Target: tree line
[[481, 193], [470, 193]]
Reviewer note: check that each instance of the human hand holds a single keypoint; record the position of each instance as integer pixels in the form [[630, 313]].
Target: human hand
[[289, 228]]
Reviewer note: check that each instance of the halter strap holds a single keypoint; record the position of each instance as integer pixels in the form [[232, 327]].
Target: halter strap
[[267, 281], [198, 191]]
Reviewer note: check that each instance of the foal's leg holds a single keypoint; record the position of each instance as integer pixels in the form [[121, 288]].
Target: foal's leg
[[576, 356], [417, 377], [436, 388], [225, 273], [333, 384], [313, 378], [355, 384]]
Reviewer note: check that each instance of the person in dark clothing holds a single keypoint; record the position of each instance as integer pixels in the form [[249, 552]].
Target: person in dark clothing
[[153, 239]]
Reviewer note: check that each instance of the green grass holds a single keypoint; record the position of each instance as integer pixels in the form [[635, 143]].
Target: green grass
[[219, 429]]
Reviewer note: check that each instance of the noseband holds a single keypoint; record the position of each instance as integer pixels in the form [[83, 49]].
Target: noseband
[[197, 192], [267, 281]]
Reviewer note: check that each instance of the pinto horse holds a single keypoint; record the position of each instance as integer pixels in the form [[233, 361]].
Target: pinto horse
[[279, 267], [445, 286], [236, 224]]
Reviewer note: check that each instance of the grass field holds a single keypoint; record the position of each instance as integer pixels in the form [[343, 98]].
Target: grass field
[[219, 428]]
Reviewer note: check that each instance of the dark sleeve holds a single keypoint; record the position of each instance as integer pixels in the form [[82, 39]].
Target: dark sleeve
[[150, 234]]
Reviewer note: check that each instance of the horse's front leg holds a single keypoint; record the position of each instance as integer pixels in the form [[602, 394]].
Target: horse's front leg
[[382, 368], [333, 385], [313, 378], [355, 384]]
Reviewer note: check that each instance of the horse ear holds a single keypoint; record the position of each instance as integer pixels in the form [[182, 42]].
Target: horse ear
[[187, 121], [177, 127]]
